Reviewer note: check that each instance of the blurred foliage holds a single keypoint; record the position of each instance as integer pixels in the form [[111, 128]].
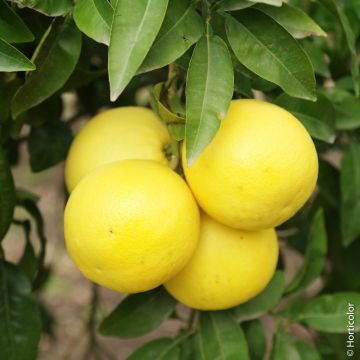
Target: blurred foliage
[[196, 56]]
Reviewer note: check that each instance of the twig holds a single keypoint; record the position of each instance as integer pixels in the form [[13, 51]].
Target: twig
[[91, 324]]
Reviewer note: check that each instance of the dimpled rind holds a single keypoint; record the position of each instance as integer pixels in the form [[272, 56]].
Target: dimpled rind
[[131, 225], [258, 171], [229, 267], [117, 134]]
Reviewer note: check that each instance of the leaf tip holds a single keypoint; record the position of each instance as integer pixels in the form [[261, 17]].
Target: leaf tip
[[114, 96]]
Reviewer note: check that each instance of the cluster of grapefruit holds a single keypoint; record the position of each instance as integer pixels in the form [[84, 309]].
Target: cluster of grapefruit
[[133, 224]]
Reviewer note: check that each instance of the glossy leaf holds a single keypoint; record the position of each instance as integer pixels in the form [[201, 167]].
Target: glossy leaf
[[55, 58], [7, 194], [272, 54], [328, 313], [47, 7], [182, 27], [350, 194], [20, 325], [234, 5], [265, 301], [334, 7], [94, 18], [160, 349], [317, 117], [48, 145], [269, 2], [138, 314], [12, 28], [315, 255], [293, 19], [11, 59], [255, 337], [134, 28], [220, 337], [209, 89]]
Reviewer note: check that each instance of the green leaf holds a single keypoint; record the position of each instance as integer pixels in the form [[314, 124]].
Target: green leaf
[[286, 347], [329, 183], [340, 14], [242, 85], [350, 194], [156, 350], [174, 121], [94, 18], [12, 28], [255, 337], [160, 349], [348, 113], [82, 77], [47, 7], [317, 117], [317, 58], [293, 19], [329, 313], [265, 301], [138, 314], [182, 27], [7, 194], [272, 54], [11, 59], [165, 114], [39, 115], [55, 59], [269, 2], [48, 145], [28, 262], [28, 201], [20, 326], [220, 337], [134, 28], [9, 83], [234, 5], [283, 349], [209, 89], [187, 348], [305, 350], [315, 255]]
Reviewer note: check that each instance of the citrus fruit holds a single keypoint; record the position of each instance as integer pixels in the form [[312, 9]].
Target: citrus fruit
[[259, 169], [131, 225], [113, 135], [229, 267]]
